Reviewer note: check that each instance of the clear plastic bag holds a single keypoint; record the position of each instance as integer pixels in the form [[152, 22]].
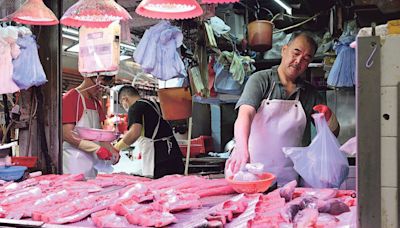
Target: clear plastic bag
[[321, 164], [224, 82], [28, 70]]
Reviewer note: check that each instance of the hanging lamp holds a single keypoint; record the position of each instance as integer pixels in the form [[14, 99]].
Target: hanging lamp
[[94, 14], [218, 1], [169, 9], [34, 12]]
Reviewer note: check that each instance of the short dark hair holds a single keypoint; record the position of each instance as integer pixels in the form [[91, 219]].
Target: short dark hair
[[309, 38], [127, 90]]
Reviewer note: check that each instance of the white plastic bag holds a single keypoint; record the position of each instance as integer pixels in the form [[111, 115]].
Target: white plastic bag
[[350, 147], [321, 164]]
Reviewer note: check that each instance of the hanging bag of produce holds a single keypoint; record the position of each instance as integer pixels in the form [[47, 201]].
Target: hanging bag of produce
[[321, 164], [99, 50]]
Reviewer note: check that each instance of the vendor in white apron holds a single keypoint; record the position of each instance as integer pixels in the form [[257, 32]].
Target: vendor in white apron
[[160, 152], [81, 108], [275, 111]]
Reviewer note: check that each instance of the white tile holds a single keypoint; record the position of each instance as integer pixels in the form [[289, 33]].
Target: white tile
[[389, 207], [389, 162], [390, 64], [389, 110]]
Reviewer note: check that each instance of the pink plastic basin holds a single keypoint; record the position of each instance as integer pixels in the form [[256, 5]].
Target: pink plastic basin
[[251, 187], [98, 135]]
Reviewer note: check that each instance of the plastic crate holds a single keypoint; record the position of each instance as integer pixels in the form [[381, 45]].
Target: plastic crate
[[200, 145], [29, 162]]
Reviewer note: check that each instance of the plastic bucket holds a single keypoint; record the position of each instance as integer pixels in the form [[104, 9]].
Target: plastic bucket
[[260, 35], [176, 103]]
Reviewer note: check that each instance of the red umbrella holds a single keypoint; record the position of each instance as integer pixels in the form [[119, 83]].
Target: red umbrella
[[169, 9], [33, 12], [94, 14]]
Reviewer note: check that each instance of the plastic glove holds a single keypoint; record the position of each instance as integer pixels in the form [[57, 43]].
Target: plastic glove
[[104, 154], [324, 110], [92, 147], [236, 162], [329, 116], [121, 145]]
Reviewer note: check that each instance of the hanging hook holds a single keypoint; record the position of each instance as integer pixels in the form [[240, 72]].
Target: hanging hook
[[370, 60]]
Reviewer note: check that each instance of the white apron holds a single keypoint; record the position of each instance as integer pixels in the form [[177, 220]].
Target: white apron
[[277, 124], [147, 148], [76, 161]]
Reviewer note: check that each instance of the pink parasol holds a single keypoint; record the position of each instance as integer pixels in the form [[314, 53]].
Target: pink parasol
[[33, 12], [94, 14], [169, 9]]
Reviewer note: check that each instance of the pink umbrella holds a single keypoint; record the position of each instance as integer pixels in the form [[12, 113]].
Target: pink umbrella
[[169, 9], [218, 1], [33, 12], [94, 14]]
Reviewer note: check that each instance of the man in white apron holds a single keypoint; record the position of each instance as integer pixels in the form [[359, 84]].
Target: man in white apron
[[160, 153], [81, 108], [275, 111]]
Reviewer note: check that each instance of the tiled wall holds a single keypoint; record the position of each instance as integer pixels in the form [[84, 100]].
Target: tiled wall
[[390, 77]]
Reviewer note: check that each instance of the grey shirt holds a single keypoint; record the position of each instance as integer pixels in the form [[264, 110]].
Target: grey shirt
[[259, 85]]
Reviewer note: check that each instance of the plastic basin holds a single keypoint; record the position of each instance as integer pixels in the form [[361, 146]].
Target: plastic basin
[[12, 173], [98, 135], [251, 187]]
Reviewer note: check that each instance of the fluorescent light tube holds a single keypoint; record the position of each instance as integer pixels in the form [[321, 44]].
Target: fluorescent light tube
[[285, 6]]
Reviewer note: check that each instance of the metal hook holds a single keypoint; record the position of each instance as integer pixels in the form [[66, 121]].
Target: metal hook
[[370, 60]]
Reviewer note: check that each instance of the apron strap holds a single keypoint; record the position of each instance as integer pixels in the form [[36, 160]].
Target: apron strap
[[159, 117], [298, 95], [80, 97], [271, 90]]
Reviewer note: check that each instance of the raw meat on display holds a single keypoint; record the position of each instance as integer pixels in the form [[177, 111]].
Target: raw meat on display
[[108, 218]]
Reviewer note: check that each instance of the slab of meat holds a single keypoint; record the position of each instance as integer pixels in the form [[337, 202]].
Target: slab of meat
[[218, 191], [306, 218], [81, 186], [58, 180], [126, 207], [139, 192], [74, 213], [286, 191], [53, 201], [326, 221], [29, 193], [334, 207], [108, 218], [323, 193], [174, 201], [348, 200], [236, 206], [348, 219], [151, 218], [341, 193], [290, 211], [106, 180]]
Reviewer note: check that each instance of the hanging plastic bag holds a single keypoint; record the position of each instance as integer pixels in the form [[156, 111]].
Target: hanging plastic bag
[[28, 71], [224, 82], [321, 164]]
